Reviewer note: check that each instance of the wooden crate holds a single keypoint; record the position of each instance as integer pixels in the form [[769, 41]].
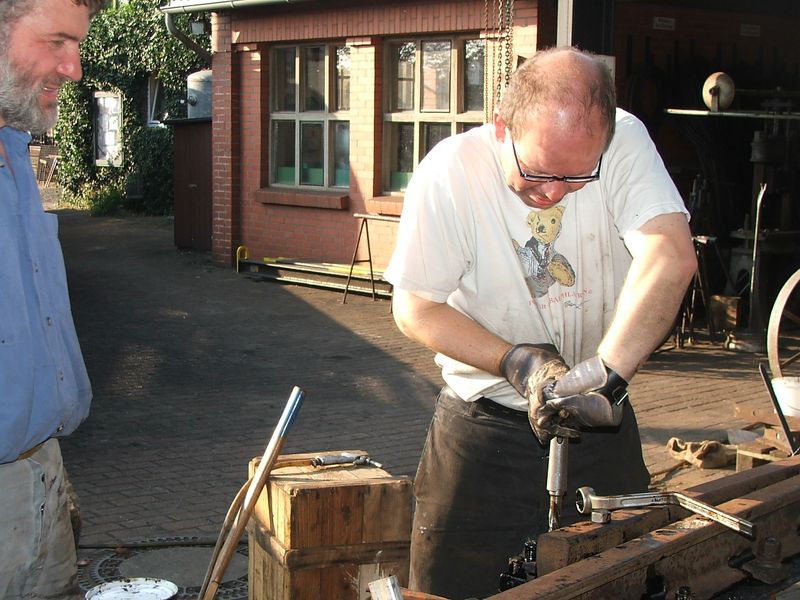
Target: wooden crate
[[328, 532]]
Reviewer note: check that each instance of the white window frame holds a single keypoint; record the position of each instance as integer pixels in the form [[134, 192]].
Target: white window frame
[[326, 117], [455, 115]]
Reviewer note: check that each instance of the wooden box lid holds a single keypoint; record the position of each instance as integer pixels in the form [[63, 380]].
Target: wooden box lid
[[303, 506]]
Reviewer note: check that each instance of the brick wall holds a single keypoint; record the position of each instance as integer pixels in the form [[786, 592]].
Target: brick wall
[[314, 226]]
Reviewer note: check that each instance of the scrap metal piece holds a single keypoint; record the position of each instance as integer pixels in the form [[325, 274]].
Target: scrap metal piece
[[588, 502]]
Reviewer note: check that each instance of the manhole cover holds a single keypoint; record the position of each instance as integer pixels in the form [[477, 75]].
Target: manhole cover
[[183, 561]]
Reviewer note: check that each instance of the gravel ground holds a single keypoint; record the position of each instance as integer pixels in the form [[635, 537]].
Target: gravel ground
[[51, 196]]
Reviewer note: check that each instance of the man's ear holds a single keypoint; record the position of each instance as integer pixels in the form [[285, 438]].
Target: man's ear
[[499, 127]]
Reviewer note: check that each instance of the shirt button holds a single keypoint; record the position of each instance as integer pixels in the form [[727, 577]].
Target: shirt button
[[61, 375], [41, 509], [49, 321], [60, 427], [35, 267]]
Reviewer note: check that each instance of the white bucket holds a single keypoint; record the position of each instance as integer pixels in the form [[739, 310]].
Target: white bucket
[[787, 389]]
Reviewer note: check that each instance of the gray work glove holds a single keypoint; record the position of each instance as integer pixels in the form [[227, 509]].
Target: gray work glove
[[530, 369], [589, 395]]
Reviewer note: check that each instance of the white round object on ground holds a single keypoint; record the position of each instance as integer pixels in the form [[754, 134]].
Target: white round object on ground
[[134, 588]]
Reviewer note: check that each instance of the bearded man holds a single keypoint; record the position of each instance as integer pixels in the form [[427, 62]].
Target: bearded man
[[44, 388]]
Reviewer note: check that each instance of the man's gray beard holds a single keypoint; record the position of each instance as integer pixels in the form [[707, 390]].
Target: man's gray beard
[[19, 102]]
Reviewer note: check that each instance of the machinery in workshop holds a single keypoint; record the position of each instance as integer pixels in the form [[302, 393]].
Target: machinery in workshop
[[765, 249]]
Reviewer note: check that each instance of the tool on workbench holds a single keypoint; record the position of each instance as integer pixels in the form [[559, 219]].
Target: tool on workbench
[[344, 458], [244, 502], [600, 507]]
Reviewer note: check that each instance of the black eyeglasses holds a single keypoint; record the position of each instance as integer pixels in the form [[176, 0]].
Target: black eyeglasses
[[549, 178]]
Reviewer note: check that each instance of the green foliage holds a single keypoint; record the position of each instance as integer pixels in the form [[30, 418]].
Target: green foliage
[[125, 45]]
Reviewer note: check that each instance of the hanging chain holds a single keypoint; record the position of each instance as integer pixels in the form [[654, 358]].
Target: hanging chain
[[498, 53], [508, 39], [487, 62], [498, 61]]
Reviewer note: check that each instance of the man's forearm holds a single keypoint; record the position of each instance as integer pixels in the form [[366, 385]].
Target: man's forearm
[[664, 263], [443, 329]]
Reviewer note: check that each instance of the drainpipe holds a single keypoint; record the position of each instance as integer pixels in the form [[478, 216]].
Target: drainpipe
[[169, 19], [190, 6], [193, 6]]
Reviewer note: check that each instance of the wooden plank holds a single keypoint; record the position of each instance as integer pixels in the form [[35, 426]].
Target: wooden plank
[[768, 417], [557, 549], [694, 552]]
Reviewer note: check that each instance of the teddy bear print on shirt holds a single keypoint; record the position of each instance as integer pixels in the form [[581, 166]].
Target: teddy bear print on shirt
[[542, 264]]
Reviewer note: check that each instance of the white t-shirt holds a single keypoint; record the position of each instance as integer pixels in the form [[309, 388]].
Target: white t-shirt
[[527, 275]]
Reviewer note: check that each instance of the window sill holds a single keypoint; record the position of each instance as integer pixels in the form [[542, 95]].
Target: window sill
[[331, 201], [385, 205]]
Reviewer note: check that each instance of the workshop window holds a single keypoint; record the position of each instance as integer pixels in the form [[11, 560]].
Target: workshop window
[[310, 129], [435, 88]]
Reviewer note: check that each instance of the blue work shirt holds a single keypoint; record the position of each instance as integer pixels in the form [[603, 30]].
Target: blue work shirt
[[44, 388]]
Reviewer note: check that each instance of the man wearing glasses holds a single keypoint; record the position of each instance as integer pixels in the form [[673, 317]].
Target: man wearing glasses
[[543, 257]]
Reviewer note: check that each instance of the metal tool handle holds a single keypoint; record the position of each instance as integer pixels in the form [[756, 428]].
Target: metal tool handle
[[557, 479], [787, 431], [232, 532], [588, 502]]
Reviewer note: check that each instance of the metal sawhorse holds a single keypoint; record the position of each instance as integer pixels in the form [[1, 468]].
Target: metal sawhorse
[[364, 231]]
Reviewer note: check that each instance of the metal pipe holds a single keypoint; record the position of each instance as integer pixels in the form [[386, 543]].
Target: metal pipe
[[169, 20], [193, 6], [246, 499]]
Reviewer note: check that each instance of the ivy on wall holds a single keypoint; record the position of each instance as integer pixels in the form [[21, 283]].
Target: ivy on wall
[[126, 44]]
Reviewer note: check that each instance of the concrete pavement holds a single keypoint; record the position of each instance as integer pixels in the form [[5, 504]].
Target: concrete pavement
[[191, 366]]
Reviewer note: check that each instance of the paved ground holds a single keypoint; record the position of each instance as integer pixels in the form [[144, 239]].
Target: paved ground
[[192, 365]]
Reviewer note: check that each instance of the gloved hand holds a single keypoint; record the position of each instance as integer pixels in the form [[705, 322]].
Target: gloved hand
[[589, 395], [530, 368]]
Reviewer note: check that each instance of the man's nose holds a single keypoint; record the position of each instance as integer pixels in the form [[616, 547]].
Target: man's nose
[[555, 190], [70, 66]]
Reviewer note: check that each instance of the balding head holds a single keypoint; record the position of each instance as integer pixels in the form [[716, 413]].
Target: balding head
[[563, 84]]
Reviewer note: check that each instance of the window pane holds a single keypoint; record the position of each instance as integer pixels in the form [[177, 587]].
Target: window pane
[[403, 57], [434, 133], [340, 142], [283, 151], [284, 78], [436, 75], [474, 52], [401, 146], [314, 78], [311, 154], [342, 78]]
